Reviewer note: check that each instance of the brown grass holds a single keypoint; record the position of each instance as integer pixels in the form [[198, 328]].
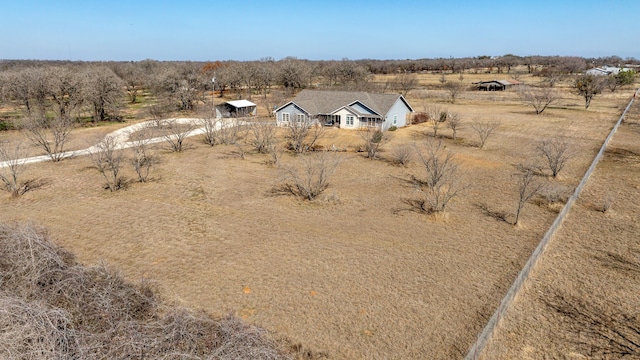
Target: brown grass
[[582, 298], [354, 274]]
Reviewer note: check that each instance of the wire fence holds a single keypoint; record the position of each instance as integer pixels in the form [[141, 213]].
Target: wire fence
[[484, 337]]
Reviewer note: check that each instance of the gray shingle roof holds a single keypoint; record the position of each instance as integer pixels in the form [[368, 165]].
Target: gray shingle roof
[[325, 102]]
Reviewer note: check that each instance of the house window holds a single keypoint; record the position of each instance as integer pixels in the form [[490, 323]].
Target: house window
[[395, 119], [285, 117], [349, 120], [300, 118]]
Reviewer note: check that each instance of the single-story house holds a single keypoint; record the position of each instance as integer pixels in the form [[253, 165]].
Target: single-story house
[[236, 108], [606, 71], [346, 109], [495, 85]]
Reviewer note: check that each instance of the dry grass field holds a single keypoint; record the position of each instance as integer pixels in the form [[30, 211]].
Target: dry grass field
[[356, 274], [583, 296]]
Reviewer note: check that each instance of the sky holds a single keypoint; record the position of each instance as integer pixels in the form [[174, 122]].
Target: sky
[[132, 30]]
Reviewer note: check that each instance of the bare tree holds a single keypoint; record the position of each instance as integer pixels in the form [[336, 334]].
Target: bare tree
[[275, 99], [142, 160], [454, 122], [65, 87], [276, 152], [440, 183], [50, 134], [294, 73], [220, 131], [373, 138], [437, 117], [12, 160], [556, 152], [484, 129], [588, 86], [303, 133], [103, 92], [528, 186], [454, 88], [133, 78], [175, 132], [107, 159], [538, 98], [406, 82], [309, 175], [262, 136]]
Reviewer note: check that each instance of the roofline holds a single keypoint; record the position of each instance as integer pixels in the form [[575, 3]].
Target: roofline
[[289, 103], [406, 103], [365, 105]]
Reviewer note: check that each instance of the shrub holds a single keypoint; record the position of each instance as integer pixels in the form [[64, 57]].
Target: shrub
[[52, 307], [420, 117]]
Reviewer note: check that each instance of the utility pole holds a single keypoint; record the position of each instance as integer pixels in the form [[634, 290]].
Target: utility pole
[[213, 95]]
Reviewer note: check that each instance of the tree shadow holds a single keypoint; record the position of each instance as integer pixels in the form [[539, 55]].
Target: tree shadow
[[496, 214], [597, 331]]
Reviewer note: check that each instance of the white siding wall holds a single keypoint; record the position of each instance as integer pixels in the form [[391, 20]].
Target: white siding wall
[[292, 110], [343, 119], [401, 111]]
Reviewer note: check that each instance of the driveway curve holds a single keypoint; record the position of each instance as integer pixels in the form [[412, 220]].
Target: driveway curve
[[122, 139]]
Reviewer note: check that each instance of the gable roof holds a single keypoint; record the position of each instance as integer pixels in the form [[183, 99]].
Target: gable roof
[[325, 102]]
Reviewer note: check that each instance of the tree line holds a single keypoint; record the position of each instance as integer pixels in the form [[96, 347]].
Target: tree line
[[96, 91]]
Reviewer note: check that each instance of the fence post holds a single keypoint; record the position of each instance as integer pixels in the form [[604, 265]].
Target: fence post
[[476, 349]]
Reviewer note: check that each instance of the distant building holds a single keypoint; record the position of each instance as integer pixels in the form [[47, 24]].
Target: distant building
[[606, 70], [236, 108], [346, 109], [495, 85]]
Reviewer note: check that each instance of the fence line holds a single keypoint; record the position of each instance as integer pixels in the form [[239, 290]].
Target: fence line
[[487, 332]]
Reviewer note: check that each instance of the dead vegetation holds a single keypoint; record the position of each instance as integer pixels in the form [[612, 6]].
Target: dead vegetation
[[581, 300], [329, 274], [52, 307], [308, 176], [11, 179]]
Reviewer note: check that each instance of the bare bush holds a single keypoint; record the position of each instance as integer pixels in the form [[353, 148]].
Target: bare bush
[[454, 122], [276, 153], [107, 159], [142, 159], [484, 129], [175, 132], [373, 139], [538, 98], [405, 82], [309, 175], [454, 88], [437, 117], [528, 186], [556, 153], [302, 134], [262, 136], [402, 154], [220, 131], [12, 162], [440, 183], [50, 134], [51, 307], [606, 202]]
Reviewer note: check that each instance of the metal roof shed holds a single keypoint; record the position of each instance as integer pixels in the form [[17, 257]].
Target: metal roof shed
[[236, 108]]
